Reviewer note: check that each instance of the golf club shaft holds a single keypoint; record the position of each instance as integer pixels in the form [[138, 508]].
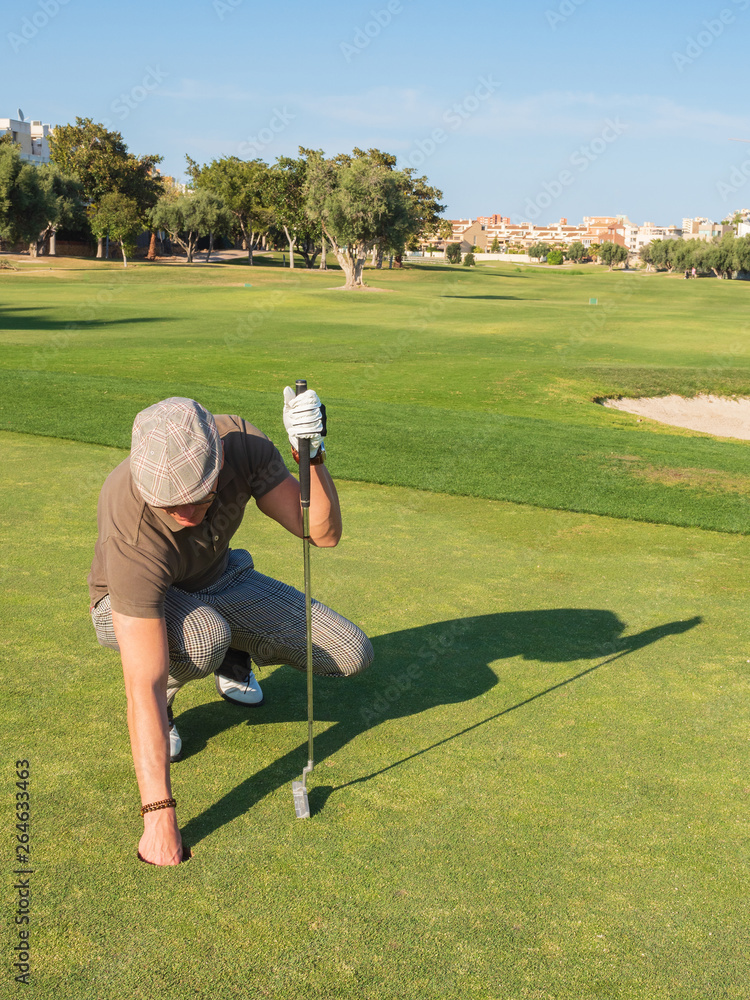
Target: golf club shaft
[[304, 486]]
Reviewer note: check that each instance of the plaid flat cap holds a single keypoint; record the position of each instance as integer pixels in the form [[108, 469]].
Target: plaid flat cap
[[175, 454]]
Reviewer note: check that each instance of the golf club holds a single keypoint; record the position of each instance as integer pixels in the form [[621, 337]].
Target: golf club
[[299, 788]]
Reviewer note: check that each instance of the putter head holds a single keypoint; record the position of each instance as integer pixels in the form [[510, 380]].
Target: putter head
[[301, 805]]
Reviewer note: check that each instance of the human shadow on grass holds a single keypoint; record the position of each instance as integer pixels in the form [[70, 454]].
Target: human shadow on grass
[[415, 670]]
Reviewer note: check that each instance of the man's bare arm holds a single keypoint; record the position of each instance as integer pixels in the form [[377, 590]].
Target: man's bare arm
[[145, 663], [283, 505]]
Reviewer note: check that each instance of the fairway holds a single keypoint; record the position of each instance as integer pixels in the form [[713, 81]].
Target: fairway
[[472, 382], [540, 788]]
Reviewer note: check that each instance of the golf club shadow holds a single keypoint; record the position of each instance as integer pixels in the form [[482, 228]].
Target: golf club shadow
[[415, 670], [317, 798]]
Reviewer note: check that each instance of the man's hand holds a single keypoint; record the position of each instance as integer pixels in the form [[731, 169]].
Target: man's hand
[[161, 843], [303, 419]]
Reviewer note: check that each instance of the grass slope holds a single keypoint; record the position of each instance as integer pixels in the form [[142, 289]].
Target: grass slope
[[477, 383], [538, 791]]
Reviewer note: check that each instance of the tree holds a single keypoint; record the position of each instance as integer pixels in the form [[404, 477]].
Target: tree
[[360, 202], [189, 217], [24, 202], [100, 160], [539, 250], [453, 253], [141, 182], [720, 257], [65, 204], [683, 254], [240, 184], [426, 209], [495, 248], [555, 256], [612, 253], [576, 251], [118, 217], [662, 254], [442, 230], [741, 254], [285, 197]]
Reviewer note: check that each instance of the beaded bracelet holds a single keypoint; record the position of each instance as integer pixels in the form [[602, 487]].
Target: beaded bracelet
[[318, 459], [153, 806]]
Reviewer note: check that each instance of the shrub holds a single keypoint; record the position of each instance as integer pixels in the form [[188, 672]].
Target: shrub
[[453, 253], [555, 257], [469, 260]]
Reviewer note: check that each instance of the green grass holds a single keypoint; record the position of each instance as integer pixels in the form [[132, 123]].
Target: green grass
[[551, 803], [539, 791], [472, 382]]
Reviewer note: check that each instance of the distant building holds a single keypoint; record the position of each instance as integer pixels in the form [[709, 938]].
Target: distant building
[[480, 234], [605, 229], [30, 137], [703, 229], [637, 237]]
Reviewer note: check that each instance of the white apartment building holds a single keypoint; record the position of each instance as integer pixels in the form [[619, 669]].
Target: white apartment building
[[637, 237], [30, 137]]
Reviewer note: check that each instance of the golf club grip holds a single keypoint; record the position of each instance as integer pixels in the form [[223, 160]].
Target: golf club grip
[[304, 455]]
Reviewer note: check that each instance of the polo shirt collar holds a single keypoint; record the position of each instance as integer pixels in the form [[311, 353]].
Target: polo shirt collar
[[165, 519]]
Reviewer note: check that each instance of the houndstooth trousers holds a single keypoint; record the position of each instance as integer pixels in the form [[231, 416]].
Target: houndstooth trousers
[[249, 611]]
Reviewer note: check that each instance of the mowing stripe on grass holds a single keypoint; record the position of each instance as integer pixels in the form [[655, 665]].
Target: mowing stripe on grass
[[636, 473]]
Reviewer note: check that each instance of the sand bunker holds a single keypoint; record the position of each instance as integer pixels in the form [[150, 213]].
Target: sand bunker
[[710, 414]]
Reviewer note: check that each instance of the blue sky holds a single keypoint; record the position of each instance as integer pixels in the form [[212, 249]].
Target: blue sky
[[536, 109]]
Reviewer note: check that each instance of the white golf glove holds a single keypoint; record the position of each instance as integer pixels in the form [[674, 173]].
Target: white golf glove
[[303, 419]]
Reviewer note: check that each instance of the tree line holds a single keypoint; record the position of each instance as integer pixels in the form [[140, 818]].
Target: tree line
[[354, 205], [607, 252], [727, 256]]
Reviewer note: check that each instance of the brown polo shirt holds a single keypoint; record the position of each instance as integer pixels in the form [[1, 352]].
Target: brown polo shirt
[[141, 550]]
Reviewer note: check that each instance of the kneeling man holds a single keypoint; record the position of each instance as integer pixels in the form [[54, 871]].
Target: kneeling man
[[178, 603]]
